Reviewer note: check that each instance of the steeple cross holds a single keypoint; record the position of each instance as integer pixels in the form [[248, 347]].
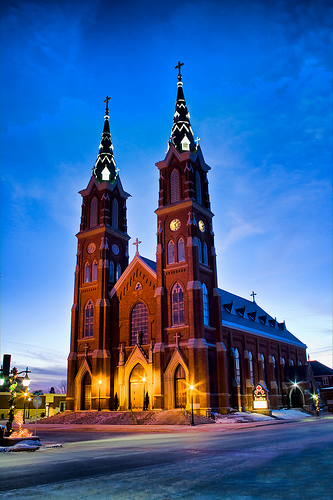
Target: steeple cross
[[137, 243], [107, 103], [197, 141], [253, 295], [179, 66]]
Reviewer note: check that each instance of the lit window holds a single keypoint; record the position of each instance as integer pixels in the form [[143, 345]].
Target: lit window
[[237, 367], [251, 372], [86, 273], [175, 186], [171, 252], [198, 187], [199, 250], [205, 301], [89, 320], [118, 272], [181, 250], [205, 254], [177, 298], [94, 271], [114, 220], [139, 324], [111, 272], [93, 212]]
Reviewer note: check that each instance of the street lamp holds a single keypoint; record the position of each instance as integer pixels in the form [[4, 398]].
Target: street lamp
[[99, 395], [12, 388], [25, 395], [192, 415]]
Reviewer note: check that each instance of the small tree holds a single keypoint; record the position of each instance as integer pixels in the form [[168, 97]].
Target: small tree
[[116, 402]]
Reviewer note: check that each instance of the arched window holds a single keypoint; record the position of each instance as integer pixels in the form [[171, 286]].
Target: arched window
[[89, 320], [111, 272], [86, 273], [118, 272], [175, 186], [198, 187], [205, 253], [114, 220], [139, 324], [181, 250], [94, 271], [177, 305], [199, 249], [171, 252], [93, 212], [205, 302], [262, 357], [251, 371], [237, 366], [275, 370]]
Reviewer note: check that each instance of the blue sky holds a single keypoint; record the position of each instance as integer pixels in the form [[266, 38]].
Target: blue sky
[[257, 80]]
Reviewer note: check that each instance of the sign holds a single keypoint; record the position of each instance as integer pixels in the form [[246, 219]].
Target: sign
[[260, 399], [37, 401]]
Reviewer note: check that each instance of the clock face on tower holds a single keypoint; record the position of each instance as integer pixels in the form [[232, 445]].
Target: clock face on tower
[[175, 224], [202, 226]]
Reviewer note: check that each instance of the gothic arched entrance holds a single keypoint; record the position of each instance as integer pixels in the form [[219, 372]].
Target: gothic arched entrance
[[86, 392], [296, 398], [180, 387], [138, 387]]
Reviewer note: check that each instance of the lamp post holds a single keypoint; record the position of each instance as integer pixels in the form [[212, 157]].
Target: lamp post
[[99, 395], [25, 395], [29, 400], [192, 414]]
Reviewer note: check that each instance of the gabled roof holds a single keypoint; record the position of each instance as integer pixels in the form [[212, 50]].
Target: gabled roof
[[320, 369], [104, 186], [246, 315], [147, 264]]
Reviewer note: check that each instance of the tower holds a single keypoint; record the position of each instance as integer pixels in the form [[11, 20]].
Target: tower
[[102, 256], [188, 305]]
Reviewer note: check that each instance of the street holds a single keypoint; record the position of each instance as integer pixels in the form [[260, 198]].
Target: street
[[289, 460]]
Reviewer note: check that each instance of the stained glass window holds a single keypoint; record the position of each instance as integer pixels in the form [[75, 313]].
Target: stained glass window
[[177, 299], [89, 319], [205, 299], [139, 324]]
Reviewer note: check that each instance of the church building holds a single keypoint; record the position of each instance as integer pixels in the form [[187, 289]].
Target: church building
[[161, 334]]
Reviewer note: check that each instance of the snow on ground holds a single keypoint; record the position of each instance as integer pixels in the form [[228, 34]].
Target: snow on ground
[[243, 417]]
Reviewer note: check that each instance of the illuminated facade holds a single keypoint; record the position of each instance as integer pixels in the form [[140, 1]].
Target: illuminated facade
[[143, 332]]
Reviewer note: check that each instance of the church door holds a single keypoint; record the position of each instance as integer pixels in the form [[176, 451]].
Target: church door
[[137, 387], [86, 393], [180, 387], [296, 398]]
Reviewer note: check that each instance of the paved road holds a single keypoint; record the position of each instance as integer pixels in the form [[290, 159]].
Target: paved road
[[291, 460]]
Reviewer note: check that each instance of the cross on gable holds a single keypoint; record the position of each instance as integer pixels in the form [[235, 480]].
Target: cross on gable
[[137, 243], [177, 337], [253, 294], [179, 66], [107, 103], [86, 348]]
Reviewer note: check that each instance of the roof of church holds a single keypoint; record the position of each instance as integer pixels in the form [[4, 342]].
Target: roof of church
[[149, 263], [181, 132], [105, 166], [320, 369], [247, 314]]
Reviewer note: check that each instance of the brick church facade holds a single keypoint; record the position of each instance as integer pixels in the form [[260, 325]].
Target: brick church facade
[[143, 332]]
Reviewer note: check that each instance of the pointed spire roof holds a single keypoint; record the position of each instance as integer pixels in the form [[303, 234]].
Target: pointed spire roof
[[181, 132], [105, 166]]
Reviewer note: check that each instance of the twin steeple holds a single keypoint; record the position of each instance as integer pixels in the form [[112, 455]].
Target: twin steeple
[[105, 166], [181, 132]]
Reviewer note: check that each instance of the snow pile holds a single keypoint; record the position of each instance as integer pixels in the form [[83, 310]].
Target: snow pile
[[22, 446], [291, 414], [244, 417]]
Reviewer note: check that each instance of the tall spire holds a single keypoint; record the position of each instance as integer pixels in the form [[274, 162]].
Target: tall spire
[[105, 166], [181, 132]]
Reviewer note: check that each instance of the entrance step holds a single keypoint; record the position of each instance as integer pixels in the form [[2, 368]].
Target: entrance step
[[153, 417]]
